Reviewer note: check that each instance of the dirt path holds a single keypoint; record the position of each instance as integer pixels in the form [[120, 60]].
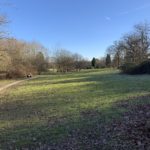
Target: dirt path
[[14, 83]]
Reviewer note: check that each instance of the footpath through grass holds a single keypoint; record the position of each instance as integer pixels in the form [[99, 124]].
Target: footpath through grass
[[5, 82], [46, 111]]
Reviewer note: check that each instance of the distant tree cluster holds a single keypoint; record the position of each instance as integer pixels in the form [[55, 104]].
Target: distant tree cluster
[[133, 48], [104, 62], [65, 61]]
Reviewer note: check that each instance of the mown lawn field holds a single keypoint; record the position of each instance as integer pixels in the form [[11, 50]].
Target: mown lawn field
[[69, 111]]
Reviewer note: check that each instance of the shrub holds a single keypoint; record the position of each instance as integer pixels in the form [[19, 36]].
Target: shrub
[[127, 68], [143, 68], [16, 72], [2, 75]]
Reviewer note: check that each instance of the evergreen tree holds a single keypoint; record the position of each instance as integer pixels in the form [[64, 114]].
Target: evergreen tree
[[108, 60], [93, 62]]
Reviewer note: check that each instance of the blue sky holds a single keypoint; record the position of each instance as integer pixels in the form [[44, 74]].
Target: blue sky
[[87, 27]]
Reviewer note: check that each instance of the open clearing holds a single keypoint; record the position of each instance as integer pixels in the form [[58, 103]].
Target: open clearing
[[86, 110]]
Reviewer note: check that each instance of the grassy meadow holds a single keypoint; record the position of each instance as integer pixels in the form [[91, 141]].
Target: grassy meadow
[[49, 109]]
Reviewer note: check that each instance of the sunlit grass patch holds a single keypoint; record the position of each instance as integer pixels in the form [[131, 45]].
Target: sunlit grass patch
[[50, 107]]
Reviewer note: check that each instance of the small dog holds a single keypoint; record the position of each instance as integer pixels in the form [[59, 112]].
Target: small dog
[[29, 76]]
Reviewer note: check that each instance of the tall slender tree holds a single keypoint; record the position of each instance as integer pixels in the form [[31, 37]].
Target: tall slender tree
[[108, 60], [3, 21], [93, 62]]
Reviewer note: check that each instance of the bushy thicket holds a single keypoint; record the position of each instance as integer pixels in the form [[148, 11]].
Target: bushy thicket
[[98, 63], [65, 61], [133, 69], [19, 58]]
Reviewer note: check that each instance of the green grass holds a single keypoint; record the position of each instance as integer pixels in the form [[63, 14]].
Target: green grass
[[46, 109]]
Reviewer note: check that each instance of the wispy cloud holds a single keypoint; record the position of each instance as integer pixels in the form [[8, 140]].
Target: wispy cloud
[[140, 8], [124, 13], [107, 18]]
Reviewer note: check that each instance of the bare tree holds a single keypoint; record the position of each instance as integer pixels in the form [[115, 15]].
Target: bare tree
[[3, 21], [64, 60], [116, 52], [78, 62], [143, 31], [21, 58], [40, 63], [133, 47], [4, 57]]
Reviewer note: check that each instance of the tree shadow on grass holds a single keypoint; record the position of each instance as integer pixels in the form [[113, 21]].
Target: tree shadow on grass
[[98, 87], [108, 82], [91, 129], [66, 118]]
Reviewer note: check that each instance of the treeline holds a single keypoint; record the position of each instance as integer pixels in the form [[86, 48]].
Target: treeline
[[19, 58], [132, 49], [104, 62], [65, 61], [130, 54]]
